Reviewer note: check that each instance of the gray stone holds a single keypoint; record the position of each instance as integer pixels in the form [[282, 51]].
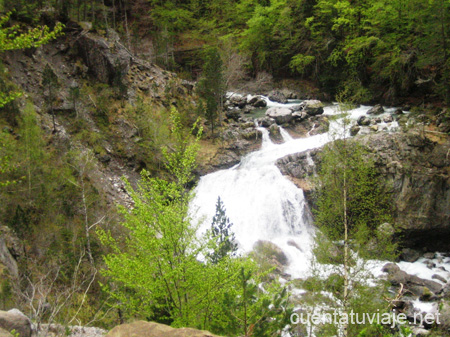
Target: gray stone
[[376, 110], [151, 329], [15, 320], [281, 115], [313, 107], [354, 130], [277, 96], [363, 120], [439, 278], [409, 255]]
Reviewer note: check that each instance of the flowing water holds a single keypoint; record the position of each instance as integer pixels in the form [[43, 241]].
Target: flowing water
[[263, 204]]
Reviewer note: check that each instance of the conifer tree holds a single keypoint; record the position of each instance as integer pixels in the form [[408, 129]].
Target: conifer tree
[[211, 87], [222, 235]]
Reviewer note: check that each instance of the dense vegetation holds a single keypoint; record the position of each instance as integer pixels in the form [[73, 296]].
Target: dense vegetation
[[152, 263], [372, 49]]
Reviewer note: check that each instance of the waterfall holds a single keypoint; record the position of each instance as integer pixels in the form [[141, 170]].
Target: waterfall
[[263, 204]]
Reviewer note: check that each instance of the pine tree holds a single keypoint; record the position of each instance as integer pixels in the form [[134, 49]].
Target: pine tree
[[211, 87], [222, 235]]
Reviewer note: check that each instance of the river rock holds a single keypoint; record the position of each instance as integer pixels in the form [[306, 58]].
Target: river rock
[[409, 255], [277, 96], [257, 102], [265, 121], [376, 110], [269, 251], [238, 101], [312, 107], [14, 319], [233, 114], [275, 134], [151, 329], [439, 278], [363, 121], [354, 130], [281, 115], [388, 119]]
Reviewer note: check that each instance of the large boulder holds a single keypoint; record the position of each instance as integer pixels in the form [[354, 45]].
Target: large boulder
[[277, 96], [107, 59], [271, 252], [376, 110], [363, 120], [151, 329], [409, 255], [281, 115], [275, 134], [238, 101], [257, 102], [15, 320], [312, 107]]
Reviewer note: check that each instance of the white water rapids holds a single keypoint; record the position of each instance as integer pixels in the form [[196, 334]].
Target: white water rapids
[[261, 203]]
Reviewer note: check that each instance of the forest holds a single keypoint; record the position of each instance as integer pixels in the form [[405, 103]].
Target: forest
[[372, 50], [113, 111]]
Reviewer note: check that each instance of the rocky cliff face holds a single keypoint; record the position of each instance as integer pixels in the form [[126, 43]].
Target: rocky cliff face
[[418, 170]]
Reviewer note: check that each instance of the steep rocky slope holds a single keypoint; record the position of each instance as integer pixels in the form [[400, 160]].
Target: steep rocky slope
[[417, 169]]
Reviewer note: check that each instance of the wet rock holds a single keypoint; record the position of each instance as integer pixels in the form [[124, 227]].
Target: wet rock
[[277, 96], [388, 119], [376, 110], [275, 134], [281, 115], [429, 255], [312, 107], [257, 102], [354, 130], [269, 250], [15, 320], [390, 268], [398, 112], [238, 101], [151, 329], [265, 121], [363, 121], [251, 134], [409, 255], [439, 278]]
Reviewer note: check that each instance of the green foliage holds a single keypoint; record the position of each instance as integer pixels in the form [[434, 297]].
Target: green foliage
[[299, 62], [222, 236], [12, 38], [211, 86], [161, 270], [368, 201]]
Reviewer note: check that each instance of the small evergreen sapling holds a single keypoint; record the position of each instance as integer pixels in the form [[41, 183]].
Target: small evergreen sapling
[[222, 235]]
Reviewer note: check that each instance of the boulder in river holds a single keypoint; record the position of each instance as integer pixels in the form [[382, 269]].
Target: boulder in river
[[277, 96], [376, 110], [281, 115], [312, 107], [363, 121]]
